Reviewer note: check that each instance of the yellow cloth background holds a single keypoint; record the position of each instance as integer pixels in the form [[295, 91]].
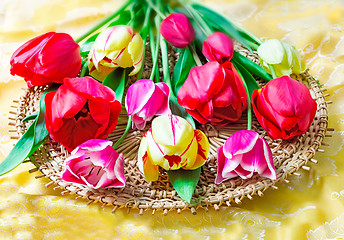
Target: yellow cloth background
[[310, 207]]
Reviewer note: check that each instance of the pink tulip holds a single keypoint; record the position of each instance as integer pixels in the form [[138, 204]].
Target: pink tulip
[[243, 154], [145, 99], [284, 108], [218, 47], [95, 164], [177, 30]]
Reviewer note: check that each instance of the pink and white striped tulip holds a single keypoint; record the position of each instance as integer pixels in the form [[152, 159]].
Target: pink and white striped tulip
[[145, 99], [172, 144], [243, 154], [117, 46], [95, 164]]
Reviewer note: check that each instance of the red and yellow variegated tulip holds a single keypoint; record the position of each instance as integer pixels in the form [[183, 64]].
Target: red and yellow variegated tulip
[[172, 144], [118, 46], [243, 154], [284, 108]]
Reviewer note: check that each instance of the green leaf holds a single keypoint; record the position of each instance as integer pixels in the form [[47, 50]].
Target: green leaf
[[219, 22], [251, 66], [123, 19], [116, 80], [184, 182], [31, 117], [138, 16], [30, 141], [180, 111], [182, 68], [250, 81]]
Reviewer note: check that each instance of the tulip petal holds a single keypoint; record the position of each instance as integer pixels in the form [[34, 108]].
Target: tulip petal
[[90, 88], [271, 51], [165, 106], [144, 162], [138, 95], [136, 50], [203, 149], [116, 37], [176, 130], [270, 171], [244, 174], [240, 142]]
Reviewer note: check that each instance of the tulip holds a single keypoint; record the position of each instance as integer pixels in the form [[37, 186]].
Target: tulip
[[46, 59], [177, 30], [243, 154], [284, 108], [171, 143], [118, 46], [96, 164], [214, 94], [218, 47], [81, 109], [283, 57], [145, 99]]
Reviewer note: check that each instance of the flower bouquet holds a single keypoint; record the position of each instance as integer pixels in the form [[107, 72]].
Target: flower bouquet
[[152, 109]]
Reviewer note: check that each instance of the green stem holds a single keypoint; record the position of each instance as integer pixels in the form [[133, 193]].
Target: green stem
[[102, 23], [165, 65], [83, 70], [195, 55], [249, 103], [156, 9], [144, 33], [273, 71], [124, 135], [155, 50], [198, 19]]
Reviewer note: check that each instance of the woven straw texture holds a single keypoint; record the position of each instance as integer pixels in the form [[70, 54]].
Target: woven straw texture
[[289, 157]]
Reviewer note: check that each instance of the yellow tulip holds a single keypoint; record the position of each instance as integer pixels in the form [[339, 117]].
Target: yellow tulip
[[118, 46], [284, 57], [171, 143]]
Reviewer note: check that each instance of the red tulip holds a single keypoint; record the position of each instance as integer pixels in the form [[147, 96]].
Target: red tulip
[[284, 108], [80, 110], [218, 47], [214, 94], [177, 30], [47, 59]]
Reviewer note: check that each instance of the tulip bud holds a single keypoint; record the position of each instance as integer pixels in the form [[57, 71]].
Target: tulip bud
[[47, 59], [218, 47], [243, 154], [177, 30], [95, 164], [284, 57], [118, 46], [145, 99], [284, 108], [171, 143]]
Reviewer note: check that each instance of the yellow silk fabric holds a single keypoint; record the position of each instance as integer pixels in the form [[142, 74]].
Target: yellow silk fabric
[[310, 207]]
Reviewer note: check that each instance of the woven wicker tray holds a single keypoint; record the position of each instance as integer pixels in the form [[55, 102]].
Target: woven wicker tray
[[288, 156]]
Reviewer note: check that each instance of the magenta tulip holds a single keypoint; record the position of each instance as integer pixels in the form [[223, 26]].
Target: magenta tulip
[[46, 59], [95, 164], [145, 99], [243, 154], [284, 108], [218, 47], [214, 94], [177, 30]]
